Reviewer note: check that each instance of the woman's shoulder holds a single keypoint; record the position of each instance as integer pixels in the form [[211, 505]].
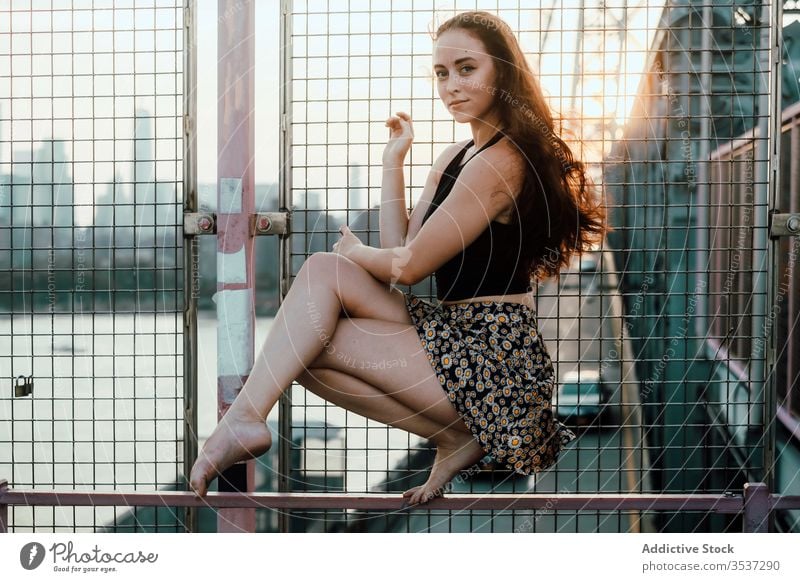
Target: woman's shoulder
[[448, 154], [502, 158], [503, 150], [500, 168]]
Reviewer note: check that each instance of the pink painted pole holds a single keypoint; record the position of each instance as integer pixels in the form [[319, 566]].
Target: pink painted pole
[[235, 204]]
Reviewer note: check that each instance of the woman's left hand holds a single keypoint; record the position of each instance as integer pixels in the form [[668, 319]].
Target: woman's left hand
[[347, 243]]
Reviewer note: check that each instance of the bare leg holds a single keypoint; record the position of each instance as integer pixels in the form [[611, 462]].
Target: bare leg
[[305, 324], [455, 447], [307, 316], [448, 462], [358, 396]]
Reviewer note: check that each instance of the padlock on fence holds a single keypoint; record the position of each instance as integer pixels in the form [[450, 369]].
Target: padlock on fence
[[23, 386]]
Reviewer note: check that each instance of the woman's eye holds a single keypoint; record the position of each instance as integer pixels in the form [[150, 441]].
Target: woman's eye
[[464, 69]]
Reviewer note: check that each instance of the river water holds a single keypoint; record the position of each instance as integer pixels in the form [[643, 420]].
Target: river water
[[106, 408]]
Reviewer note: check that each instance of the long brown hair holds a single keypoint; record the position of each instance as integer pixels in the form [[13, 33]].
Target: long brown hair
[[555, 185]]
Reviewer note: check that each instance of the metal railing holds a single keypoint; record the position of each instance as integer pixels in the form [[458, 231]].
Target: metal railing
[[754, 502], [91, 250], [329, 98]]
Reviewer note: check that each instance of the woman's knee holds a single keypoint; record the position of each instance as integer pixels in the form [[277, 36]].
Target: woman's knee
[[360, 293], [324, 264]]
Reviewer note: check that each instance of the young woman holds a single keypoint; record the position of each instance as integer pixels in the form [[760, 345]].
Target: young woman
[[498, 212]]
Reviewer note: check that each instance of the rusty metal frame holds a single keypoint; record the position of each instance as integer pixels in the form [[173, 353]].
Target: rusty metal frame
[[755, 502], [190, 249], [235, 242]]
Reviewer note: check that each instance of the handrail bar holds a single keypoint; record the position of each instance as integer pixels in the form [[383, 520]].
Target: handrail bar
[[755, 501]]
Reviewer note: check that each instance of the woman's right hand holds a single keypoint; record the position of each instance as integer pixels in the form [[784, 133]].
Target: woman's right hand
[[401, 134]]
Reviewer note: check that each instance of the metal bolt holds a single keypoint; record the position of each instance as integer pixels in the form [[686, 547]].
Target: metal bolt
[[205, 223], [793, 223], [263, 223]]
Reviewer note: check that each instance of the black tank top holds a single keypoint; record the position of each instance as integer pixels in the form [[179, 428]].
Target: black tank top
[[489, 265]]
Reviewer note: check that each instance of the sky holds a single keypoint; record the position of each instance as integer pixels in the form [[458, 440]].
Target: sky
[[379, 60], [608, 83], [71, 67]]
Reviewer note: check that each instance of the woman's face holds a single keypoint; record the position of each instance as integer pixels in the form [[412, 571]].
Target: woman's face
[[465, 75]]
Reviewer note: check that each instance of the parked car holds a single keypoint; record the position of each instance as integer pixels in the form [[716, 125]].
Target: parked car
[[581, 395]]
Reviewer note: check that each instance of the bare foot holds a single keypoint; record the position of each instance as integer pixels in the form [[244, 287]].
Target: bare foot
[[232, 441], [450, 459]]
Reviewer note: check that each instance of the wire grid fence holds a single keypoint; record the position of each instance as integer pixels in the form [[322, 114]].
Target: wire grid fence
[[348, 68], [692, 189], [646, 91], [787, 309], [731, 279], [91, 244]]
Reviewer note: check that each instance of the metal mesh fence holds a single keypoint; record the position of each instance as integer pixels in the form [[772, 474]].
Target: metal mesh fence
[[91, 294], [673, 106], [645, 92], [692, 187]]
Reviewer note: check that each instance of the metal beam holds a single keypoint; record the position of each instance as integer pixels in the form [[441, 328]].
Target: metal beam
[[755, 501], [235, 242], [284, 276], [756, 508], [307, 501], [190, 250]]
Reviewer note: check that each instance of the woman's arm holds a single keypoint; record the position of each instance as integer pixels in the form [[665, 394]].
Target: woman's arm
[[393, 216], [396, 227], [485, 189], [387, 265], [393, 208]]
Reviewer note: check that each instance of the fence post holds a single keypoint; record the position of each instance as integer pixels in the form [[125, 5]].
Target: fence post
[[3, 507], [235, 244], [756, 508]]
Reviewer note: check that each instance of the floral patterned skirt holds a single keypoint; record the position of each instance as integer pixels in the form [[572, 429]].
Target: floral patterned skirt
[[495, 369]]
